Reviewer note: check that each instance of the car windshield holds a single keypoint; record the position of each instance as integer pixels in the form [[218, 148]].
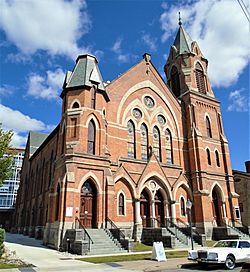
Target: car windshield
[[226, 244]]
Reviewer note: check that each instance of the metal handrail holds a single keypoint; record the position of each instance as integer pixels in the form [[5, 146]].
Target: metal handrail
[[86, 235], [113, 226], [237, 228], [177, 231]]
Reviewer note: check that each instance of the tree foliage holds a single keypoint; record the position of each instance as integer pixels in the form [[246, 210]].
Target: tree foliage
[[6, 159]]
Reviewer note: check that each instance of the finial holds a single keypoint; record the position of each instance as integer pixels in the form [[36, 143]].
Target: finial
[[180, 22]]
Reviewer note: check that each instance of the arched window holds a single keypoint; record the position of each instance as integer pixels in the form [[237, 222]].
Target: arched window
[[121, 204], [144, 142], [131, 139], [175, 81], [208, 127], [75, 105], [93, 97], [199, 76], [169, 152], [208, 157], [57, 202], [217, 158], [91, 137], [157, 143], [183, 206]]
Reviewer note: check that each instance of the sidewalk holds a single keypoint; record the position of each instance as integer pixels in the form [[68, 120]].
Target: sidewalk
[[42, 258]]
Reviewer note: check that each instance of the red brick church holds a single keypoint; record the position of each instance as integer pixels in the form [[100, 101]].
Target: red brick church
[[131, 152]]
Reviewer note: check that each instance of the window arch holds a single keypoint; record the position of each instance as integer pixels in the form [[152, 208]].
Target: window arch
[[157, 143], [208, 127], [131, 139], [208, 157], [75, 105], [199, 76], [58, 190], [144, 142], [121, 204], [91, 137], [169, 149], [217, 158], [175, 81], [182, 206]]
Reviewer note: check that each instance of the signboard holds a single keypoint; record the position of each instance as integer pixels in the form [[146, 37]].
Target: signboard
[[69, 211], [158, 252]]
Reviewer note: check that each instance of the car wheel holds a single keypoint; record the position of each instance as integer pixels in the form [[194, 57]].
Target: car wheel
[[230, 262]]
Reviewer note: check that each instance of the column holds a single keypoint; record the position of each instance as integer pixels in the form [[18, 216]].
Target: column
[[138, 219], [224, 212], [152, 215], [173, 211]]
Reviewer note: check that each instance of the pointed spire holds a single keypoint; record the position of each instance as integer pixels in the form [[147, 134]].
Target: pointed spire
[[180, 22], [182, 41]]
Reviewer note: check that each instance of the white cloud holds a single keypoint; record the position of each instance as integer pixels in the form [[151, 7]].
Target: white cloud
[[47, 87], [120, 55], [223, 40], [54, 26], [6, 89], [21, 124], [150, 42], [238, 101]]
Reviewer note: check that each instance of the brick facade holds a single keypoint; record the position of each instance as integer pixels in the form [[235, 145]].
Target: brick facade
[[98, 163]]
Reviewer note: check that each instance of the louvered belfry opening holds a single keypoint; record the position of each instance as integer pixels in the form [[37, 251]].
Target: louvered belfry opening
[[200, 78]]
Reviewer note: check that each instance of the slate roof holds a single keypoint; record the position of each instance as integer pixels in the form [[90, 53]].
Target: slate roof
[[85, 73], [36, 139], [182, 41]]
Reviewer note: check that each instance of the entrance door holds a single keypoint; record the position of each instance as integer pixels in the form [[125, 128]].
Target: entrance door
[[159, 209], [145, 209], [88, 207], [216, 208]]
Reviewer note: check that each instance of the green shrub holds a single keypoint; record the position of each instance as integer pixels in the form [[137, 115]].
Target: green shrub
[[2, 236]]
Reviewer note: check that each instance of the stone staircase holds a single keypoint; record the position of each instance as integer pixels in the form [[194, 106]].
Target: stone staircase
[[235, 231], [103, 243]]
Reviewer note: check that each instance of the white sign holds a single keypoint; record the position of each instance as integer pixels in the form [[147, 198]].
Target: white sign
[[69, 211], [158, 252]]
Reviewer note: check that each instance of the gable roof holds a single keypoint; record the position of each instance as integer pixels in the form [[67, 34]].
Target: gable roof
[[35, 140]]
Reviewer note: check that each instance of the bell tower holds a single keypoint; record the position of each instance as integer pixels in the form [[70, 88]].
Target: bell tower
[[209, 168]]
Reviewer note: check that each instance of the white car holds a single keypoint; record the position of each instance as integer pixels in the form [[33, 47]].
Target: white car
[[228, 252]]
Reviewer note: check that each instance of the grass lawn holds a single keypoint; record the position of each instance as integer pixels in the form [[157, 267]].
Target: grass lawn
[[6, 266], [131, 257]]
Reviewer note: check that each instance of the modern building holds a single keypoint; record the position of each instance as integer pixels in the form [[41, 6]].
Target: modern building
[[131, 152], [242, 187], [8, 190]]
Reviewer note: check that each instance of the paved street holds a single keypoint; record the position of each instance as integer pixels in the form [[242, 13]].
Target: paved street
[[44, 259]]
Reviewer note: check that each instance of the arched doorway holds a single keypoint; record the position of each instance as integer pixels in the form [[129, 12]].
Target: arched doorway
[[217, 207], [159, 209], [88, 205], [145, 208]]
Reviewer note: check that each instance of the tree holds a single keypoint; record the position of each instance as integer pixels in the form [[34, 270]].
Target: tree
[[6, 159]]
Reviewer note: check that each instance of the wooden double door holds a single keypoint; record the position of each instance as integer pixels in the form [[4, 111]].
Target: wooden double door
[[88, 205]]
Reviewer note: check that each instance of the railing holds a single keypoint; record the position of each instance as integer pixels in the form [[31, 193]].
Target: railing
[[186, 230], [116, 232], [176, 230], [241, 229], [85, 233]]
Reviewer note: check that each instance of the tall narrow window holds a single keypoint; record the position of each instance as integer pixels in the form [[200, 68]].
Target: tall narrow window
[[175, 81], [73, 127], [50, 169], [121, 204], [183, 208], [199, 76], [144, 142], [208, 157], [57, 202], [208, 127], [131, 139], [93, 97], [157, 143], [91, 137], [217, 158], [220, 125], [169, 151]]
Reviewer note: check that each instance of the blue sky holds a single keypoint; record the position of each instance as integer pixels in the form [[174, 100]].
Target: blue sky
[[40, 40]]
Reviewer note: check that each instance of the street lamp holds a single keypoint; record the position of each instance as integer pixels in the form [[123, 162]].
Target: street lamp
[[189, 208]]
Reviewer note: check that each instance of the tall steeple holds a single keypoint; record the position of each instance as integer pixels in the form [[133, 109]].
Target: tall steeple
[[186, 67]]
